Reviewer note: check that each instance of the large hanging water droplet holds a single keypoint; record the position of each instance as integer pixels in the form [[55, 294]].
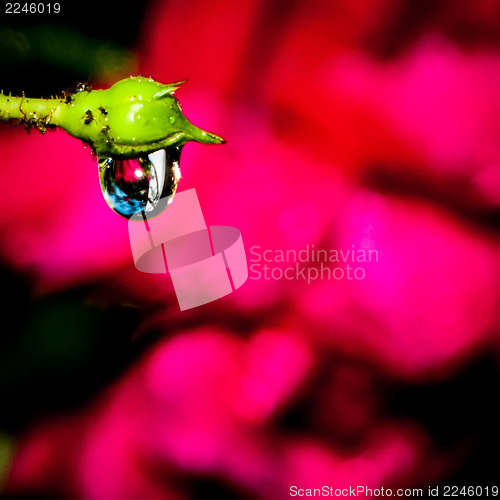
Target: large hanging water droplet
[[138, 184]]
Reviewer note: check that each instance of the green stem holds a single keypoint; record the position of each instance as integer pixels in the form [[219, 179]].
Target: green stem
[[135, 117], [38, 113]]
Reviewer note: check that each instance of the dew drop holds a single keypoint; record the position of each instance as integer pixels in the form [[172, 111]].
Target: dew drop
[[138, 184]]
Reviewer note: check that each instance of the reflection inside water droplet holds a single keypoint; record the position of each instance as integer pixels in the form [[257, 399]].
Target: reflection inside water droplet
[[138, 184]]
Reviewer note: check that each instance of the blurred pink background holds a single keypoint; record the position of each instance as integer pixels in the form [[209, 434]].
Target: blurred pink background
[[373, 124]]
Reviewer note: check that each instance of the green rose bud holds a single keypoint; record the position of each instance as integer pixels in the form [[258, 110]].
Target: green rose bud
[[135, 116], [136, 128]]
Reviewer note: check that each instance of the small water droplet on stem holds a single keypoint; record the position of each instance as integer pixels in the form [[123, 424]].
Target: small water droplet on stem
[[138, 184]]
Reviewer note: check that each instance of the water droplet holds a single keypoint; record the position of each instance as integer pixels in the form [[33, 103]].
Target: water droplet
[[172, 119], [138, 184]]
